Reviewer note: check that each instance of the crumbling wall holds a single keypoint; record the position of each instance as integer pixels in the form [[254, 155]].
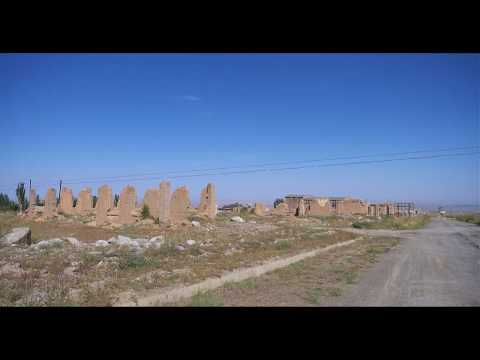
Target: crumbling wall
[[126, 204], [164, 202], [84, 202], [260, 209], [104, 203], [301, 208], [152, 200], [66, 201], [351, 207], [318, 207], [208, 201], [180, 205], [50, 202]]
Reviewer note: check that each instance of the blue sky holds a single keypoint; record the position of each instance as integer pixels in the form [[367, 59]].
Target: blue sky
[[73, 116]]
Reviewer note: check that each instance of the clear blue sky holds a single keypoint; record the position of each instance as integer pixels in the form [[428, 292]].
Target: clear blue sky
[[93, 115]]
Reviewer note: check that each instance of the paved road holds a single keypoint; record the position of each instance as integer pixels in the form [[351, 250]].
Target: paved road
[[435, 266]]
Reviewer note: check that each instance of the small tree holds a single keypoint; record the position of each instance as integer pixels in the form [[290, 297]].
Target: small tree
[[37, 200], [22, 200], [145, 212], [277, 202], [115, 200], [7, 204], [94, 200]]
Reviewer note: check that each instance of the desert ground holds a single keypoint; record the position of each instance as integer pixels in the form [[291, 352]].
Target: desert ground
[[72, 263], [438, 265]]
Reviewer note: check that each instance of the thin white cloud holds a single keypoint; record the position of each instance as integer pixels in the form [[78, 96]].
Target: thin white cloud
[[190, 98]]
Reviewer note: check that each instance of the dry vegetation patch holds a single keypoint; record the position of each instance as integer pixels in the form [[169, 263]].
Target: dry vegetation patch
[[394, 223], [311, 282], [88, 275]]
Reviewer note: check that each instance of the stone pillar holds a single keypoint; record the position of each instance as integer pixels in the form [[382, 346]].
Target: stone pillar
[[126, 204], [164, 202], [208, 201], [105, 193], [259, 209], [104, 203], [152, 200], [66, 201], [179, 205], [50, 202], [84, 201], [301, 208]]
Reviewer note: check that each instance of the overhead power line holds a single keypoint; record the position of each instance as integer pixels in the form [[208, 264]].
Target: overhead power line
[[270, 164], [292, 168], [258, 167]]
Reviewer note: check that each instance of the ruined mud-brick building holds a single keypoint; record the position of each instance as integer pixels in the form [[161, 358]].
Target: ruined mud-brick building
[[234, 208], [404, 209], [323, 205], [380, 209], [350, 206], [395, 209]]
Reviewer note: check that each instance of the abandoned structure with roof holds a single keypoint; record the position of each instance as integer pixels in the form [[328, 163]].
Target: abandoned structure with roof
[[344, 205]]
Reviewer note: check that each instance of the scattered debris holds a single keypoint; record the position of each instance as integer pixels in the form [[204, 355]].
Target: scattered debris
[[12, 269], [70, 270]]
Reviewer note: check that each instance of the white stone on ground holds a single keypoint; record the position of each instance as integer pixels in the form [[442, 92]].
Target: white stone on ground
[[191, 242], [101, 243], [44, 244], [17, 235], [73, 241], [156, 241], [120, 240], [237, 219]]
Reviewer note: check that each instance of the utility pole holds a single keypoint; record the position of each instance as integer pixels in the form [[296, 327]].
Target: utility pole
[[59, 191]]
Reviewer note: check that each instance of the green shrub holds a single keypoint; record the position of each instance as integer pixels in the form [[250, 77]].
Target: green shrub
[[283, 244], [22, 200], [470, 218], [205, 299], [394, 223], [145, 212], [277, 202], [132, 261]]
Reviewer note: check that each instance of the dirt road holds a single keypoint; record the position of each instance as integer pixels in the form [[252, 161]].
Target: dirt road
[[435, 266]]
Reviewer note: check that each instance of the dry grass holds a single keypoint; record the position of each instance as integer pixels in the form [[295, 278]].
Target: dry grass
[[315, 281], [101, 273], [395, 223], [472, 218]]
